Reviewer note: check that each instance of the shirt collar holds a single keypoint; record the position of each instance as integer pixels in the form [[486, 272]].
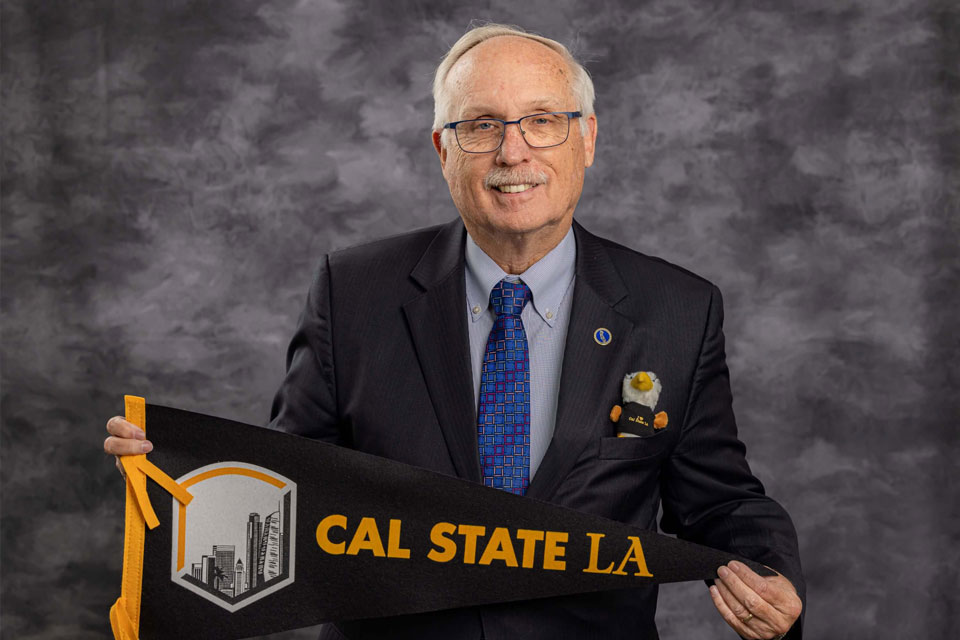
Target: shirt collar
[[549, 278]]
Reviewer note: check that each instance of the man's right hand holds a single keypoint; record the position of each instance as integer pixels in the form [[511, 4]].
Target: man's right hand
[[125, 439]]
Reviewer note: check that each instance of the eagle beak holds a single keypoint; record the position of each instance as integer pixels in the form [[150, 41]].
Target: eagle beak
[[641, 382]]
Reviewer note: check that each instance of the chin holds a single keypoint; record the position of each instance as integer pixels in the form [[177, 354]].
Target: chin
[[521, 222]]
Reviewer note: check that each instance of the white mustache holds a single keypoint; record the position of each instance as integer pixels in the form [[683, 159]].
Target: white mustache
[[502, 175]]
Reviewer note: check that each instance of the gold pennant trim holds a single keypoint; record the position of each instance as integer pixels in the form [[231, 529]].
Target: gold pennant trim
[[125, 612]]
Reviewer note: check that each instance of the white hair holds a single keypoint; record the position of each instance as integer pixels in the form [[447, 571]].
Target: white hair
[[580, 84]]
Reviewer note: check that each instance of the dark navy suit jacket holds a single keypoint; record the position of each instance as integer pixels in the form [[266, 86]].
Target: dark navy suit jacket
[[380, 363]]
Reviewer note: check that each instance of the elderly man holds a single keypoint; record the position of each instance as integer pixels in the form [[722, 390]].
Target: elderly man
[[397, 350]]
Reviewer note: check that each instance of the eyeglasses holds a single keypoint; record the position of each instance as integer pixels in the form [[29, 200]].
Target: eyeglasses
[[540, 130]]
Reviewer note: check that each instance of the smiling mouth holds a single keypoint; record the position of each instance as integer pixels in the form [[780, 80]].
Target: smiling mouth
[[514, 188]]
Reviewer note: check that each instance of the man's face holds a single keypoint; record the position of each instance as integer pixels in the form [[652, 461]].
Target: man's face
[[510, 77]]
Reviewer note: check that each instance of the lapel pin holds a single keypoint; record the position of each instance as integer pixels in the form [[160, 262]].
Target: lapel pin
[[602, 336], [641, 391]]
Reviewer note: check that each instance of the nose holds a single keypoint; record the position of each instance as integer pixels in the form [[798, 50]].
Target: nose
[[514, 149]]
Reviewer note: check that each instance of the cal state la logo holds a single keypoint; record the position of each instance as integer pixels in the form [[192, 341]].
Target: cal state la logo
[[236, 541]]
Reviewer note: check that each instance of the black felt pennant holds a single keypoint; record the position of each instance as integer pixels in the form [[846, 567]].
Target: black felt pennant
[[286, 532]]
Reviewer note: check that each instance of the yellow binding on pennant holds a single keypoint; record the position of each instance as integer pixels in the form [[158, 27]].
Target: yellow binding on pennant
[[125, 612]]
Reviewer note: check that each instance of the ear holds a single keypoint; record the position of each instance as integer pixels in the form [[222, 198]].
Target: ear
[[590, 140], [438, 145]]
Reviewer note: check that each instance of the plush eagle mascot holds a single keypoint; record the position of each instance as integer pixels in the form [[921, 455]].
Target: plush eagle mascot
[[636, 419]]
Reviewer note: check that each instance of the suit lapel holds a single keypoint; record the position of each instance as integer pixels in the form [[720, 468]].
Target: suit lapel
[[438, 325], [587, 366]]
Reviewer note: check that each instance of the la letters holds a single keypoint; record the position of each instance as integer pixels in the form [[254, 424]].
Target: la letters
[[473, 544]]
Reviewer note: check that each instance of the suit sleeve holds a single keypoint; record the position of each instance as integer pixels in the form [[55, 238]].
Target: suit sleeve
[[709, 494], [306, 403]]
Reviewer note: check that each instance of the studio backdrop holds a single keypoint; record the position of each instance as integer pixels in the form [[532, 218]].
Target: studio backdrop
[[173, 173]]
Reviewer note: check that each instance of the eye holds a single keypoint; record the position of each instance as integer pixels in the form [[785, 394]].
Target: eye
[[483, 126]]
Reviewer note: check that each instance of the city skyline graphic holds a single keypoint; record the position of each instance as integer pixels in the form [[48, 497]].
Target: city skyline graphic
[[238, 540]]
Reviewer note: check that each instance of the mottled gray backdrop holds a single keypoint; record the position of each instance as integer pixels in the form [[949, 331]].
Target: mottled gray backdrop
[[173, 171]]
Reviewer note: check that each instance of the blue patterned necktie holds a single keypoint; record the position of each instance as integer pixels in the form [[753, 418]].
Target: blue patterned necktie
[[503, 415]]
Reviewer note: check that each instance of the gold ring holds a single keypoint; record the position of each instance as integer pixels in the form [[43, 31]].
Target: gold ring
[[747, 619]]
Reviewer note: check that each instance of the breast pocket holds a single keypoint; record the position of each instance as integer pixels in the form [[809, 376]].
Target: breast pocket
[[613, 448]]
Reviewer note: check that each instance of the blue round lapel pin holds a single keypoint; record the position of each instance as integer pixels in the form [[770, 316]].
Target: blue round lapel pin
[[602, 336]]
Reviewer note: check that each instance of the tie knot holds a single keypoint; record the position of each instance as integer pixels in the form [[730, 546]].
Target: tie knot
[[507, 298]]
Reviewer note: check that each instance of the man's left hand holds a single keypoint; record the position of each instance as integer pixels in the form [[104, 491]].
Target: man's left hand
[[754, 606]]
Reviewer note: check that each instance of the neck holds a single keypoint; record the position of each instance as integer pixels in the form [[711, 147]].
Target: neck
[[515, 253]]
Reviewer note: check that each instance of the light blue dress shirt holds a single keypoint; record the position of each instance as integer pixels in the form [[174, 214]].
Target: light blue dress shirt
[[545, 321]]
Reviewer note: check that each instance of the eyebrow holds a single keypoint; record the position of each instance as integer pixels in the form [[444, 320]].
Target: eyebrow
[[540, 104]]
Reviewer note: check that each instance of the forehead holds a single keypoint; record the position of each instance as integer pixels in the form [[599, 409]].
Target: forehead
[[509, 72]]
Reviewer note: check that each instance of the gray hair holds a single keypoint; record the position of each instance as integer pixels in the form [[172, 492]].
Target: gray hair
[[580, 84]]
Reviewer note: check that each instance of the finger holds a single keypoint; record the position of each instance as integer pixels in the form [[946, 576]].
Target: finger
[[765, 587], [120, 467], [747, 598], [757, 626], [776, 591], [728, 615], [126, 446], [117, 426]]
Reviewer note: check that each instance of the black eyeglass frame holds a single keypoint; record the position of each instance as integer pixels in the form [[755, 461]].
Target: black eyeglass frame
[[503, 134]]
